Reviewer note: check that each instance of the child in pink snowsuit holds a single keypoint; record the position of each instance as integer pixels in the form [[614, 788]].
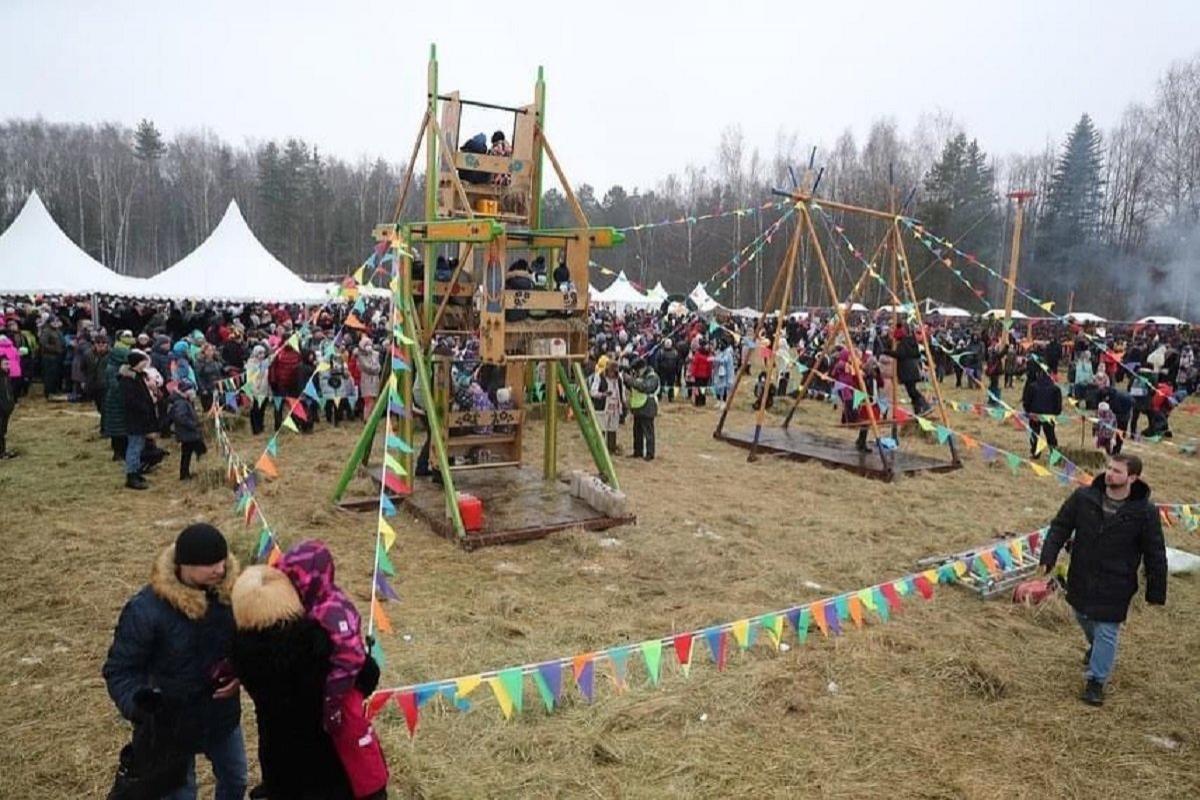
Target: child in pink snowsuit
[[309, 566]]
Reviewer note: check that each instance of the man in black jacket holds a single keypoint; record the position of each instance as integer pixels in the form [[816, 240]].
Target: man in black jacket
[[1115, 527], [141, 414], [1041, 399], [168, 673]]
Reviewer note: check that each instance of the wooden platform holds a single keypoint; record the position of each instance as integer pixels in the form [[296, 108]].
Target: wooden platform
[[518, 506], [803, 445]]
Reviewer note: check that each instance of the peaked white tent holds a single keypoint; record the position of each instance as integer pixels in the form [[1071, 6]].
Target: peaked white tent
[[951, 311], [658, 293], [1160, 320], [1084, 316], [621, 294], [36, 257], [998, 313], [231, 264]]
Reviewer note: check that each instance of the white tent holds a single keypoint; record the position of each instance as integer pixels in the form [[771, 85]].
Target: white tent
[[854, 307], [998, 313], [36, 257], [231, 264], [746, 313], [950, 311], [1160, 320], [659, 292], [903, 308], [1083, 316], [621, 294]]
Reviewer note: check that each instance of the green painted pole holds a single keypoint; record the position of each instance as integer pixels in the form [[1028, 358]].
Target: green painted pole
[[361, 450], [436, 434], [589, 423], [550, 456], [431, 180]]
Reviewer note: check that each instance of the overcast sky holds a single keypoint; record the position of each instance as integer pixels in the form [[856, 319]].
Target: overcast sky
[[635, 90]]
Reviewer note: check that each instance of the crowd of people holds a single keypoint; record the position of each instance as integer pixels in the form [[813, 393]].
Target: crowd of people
[[152, 370]]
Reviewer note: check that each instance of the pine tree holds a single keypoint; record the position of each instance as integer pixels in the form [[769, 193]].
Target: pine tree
[[1072, 215], [148, 142], [960, 204], [273, 196]]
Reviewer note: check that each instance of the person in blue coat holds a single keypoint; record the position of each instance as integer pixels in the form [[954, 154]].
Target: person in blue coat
[[168, 672]]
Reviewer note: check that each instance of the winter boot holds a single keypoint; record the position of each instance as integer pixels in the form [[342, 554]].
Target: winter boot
[[135, 481], [1093, 693]]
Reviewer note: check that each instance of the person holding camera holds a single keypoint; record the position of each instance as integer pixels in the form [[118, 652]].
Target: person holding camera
[[643, 386], [168, 673]]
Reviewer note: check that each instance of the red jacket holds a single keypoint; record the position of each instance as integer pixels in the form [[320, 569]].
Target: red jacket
[[283, 372], [701, 366]]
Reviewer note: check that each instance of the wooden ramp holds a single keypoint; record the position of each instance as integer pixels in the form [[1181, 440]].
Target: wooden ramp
[[518, 506], [840, 453]]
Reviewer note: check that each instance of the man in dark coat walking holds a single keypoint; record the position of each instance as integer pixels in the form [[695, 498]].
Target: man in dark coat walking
[[168, 673], [1115, 528], [1041, 399]]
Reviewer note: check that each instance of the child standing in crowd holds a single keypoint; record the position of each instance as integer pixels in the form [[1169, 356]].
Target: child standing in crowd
[[1106, 428], [182, 413]]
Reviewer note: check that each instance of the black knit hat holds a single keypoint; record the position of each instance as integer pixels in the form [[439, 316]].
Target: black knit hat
[[136, 357], [200, 544]]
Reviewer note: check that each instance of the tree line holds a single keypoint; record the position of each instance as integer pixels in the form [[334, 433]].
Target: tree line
[[1113, 227]]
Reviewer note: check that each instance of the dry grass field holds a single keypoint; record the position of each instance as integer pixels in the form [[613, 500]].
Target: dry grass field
[[954, 698]]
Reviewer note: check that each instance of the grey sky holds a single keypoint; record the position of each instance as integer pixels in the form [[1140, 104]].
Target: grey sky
[[635, 90]]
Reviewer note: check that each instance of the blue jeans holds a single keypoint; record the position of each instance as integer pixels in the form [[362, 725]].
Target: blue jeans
[[1102, 638], [228, 758], [133, 453]]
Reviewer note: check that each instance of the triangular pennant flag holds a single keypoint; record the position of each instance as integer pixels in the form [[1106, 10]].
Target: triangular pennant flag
[[408, 704], [395, 466], [376, 703], [548, 679], [385, 563], [394, 442], [386, 506], [943, 434], [855, 610], [799, 618], [267, 467], [619, 658], [290, 424], [299, 411], [652, 653], [273, 446], [1014, 461], [1039, 470], [514, 684], [583, 668], [923, 586], [377, 654], [311, 391], [831, 618], [741, 633], [773, 625], [818, 615], [718, 645], [683, 651], [384, 589], [893, 599], [387, 534], [882, 604], [381, 619], [264, 540], [501, 693]]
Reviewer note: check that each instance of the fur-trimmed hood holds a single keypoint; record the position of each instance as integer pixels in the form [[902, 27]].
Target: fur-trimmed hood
[[189, 601], [264, 597]]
